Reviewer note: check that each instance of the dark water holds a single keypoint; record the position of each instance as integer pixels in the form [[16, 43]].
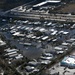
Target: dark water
[[8, 4]]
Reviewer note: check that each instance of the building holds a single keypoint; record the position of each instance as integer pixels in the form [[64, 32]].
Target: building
[[68, 61]]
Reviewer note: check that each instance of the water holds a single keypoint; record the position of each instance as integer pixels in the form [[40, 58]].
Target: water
[[29, 52], [9, 4]]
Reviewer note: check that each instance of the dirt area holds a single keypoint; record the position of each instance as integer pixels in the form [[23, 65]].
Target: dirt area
[[68, 8]]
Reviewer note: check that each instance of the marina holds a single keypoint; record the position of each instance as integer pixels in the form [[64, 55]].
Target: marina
[[35, 39]]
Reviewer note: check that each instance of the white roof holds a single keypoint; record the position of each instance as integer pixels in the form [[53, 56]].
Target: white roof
[[44, 38], [37, 28], [11, 50], [53, 1], [72, 39], [70, 60], [45, 61], [58, 52], [42, 30], [27, 44], [38, 38], [46, 58], [47, 1], [27, 28], [49, 23], [61, 32], [54, 33], [13, 31], [48, 54], [12, 27], [2, 42], [25, 21], [29, 67], [54, 40], [33, 37], [40, 4], [16, 33], [19, 56], [65, 44], [29, 36], [52, 30], [23, 27], [11, 53], [65, 33], [19, 27], [57, 48], [31, 28], [37, 22]]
